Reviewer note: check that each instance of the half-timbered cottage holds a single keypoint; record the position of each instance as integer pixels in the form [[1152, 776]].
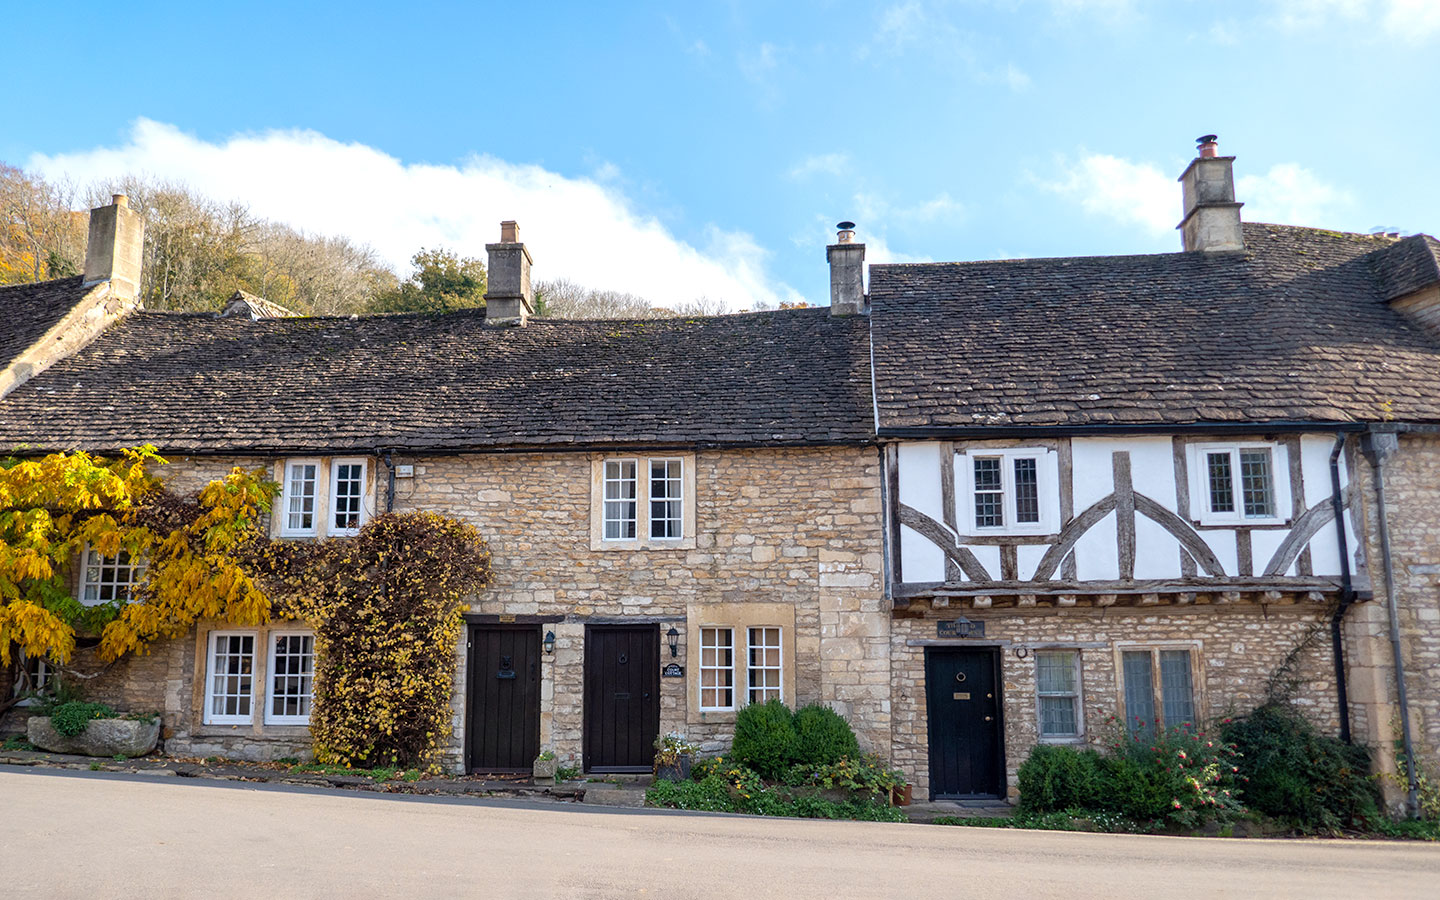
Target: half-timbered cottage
[[1136, 486]]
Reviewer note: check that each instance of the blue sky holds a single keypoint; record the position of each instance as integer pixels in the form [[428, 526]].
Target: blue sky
[[708, 149]]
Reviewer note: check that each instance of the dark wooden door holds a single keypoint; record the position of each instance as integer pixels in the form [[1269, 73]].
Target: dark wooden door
[[503, 731], [967, 756], [622, 697]]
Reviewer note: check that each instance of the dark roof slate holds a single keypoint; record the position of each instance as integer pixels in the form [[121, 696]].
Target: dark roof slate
[[27, 311], [1295, 328], [1408, 266], [201, 383]]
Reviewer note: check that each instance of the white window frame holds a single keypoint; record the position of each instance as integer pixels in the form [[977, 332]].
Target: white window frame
[[702, 668], [46, 674], [778, 691], [138, 567], [1198, 460], [334, 480], [1047, 487], [272, 674], [679, 482], [641, 520], [285, 497], [1077, 698], [210, 716]]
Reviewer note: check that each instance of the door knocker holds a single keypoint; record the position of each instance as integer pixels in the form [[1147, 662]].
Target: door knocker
[[624, 658], [959, 676]]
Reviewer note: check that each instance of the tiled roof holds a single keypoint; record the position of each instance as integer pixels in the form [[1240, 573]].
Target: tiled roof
[[27, 311], [1295, 328], [198, 382], [1408, 266]]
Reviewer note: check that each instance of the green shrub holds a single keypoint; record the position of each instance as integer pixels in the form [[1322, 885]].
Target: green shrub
[[711, 794], [823, 737], [1057, 778], [737, 789], [1300, 776], [71, 718], [868, 776], [1178, 776], [765, 738]]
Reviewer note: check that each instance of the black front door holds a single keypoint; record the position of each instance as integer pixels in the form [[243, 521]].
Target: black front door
[[963, 699], [622, 697], [503, 731]]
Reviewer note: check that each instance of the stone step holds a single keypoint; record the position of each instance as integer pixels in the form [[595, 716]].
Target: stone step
[[613, 795]]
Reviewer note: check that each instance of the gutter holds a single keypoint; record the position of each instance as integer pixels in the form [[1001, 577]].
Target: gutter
[[1347, 589], [384, 455], [1378, 448], [1020, 431]]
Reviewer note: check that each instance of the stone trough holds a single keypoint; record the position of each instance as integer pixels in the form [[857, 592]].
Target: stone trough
[[101, 737]]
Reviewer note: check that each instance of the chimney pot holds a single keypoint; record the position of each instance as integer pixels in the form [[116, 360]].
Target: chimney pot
[[1209, 148], [847, 273], [120, 200], [509, 299]]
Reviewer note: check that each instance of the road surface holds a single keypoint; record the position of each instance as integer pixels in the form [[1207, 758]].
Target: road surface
[[80, 834]]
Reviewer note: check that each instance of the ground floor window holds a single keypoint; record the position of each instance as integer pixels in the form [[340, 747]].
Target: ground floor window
[[1159, 687], [717, 668], [765, 670], [35, 676], [235, 687], [1057, 682]]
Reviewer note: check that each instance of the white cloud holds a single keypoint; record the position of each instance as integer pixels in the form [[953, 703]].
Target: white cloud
[[1288, 194], [576, 228], [821, 164], [1406, 20], [1140, 193], [1130, 192]]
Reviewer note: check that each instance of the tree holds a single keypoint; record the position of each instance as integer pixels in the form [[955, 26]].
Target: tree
[[562, 298], [40, 237], [317, 275], [441, 282]]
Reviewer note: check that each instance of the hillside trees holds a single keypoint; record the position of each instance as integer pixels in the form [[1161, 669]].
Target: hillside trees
[[40, 236], [442, 281]]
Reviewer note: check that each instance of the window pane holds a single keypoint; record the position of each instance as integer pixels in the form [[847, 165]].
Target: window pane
[[111, 578], [1027, 491], [1255, 483], [989, 498], [1222, 491], [292, 675], [620, 503], [1057, 717], [1139, 690], [717, 668], [1055, 671], [1175, 689], [666, 504], [300, 494], [764, 664], [345, 505]]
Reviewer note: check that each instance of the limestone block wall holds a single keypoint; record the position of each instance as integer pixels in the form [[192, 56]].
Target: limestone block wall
[[1412, 495], [795, 527], [1238, 646]]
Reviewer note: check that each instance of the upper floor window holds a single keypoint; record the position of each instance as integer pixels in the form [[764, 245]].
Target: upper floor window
[[643, 502], [1239, 484], [313, 492], [110, 579], [1008, 491]]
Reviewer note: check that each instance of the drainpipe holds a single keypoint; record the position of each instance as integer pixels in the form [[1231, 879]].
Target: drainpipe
[[390, 481], [1378, 449], [1347, 588]]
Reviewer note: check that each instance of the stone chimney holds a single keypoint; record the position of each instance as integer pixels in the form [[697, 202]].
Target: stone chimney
[[1212, 217], [115, 248], [508, 297], [847, 273]]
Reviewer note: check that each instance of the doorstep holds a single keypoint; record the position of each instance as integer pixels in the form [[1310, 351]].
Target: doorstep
[[930, 810]]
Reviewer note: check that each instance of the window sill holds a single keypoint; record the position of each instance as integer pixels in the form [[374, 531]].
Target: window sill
[[653, 544], [259, 732], [1211, 523], [1072, 741]]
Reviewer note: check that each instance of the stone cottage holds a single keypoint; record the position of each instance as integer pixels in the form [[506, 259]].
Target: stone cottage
[[1149, 488], [684, 515]]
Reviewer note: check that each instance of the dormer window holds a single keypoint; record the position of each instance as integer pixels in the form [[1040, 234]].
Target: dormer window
[[1008, 491]]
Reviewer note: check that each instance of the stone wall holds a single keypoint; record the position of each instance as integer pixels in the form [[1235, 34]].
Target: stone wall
[[1238, 646], [798, 530], [1412, 495]]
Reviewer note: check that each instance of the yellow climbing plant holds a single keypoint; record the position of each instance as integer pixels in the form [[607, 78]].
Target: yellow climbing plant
[[53, 506]]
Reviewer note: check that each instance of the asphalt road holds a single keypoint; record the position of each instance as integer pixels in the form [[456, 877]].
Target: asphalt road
[[71, 834]]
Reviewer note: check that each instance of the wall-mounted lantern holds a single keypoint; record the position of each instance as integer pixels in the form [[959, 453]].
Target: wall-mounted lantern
[[549, 643], [674, 637]]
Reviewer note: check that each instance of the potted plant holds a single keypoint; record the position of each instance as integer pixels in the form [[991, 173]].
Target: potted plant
[[544, 767], [673, 757]]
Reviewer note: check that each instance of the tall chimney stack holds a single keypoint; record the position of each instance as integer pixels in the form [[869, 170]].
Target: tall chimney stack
[[1212, 217], [115, 248], [508, 297], [847, 273]]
